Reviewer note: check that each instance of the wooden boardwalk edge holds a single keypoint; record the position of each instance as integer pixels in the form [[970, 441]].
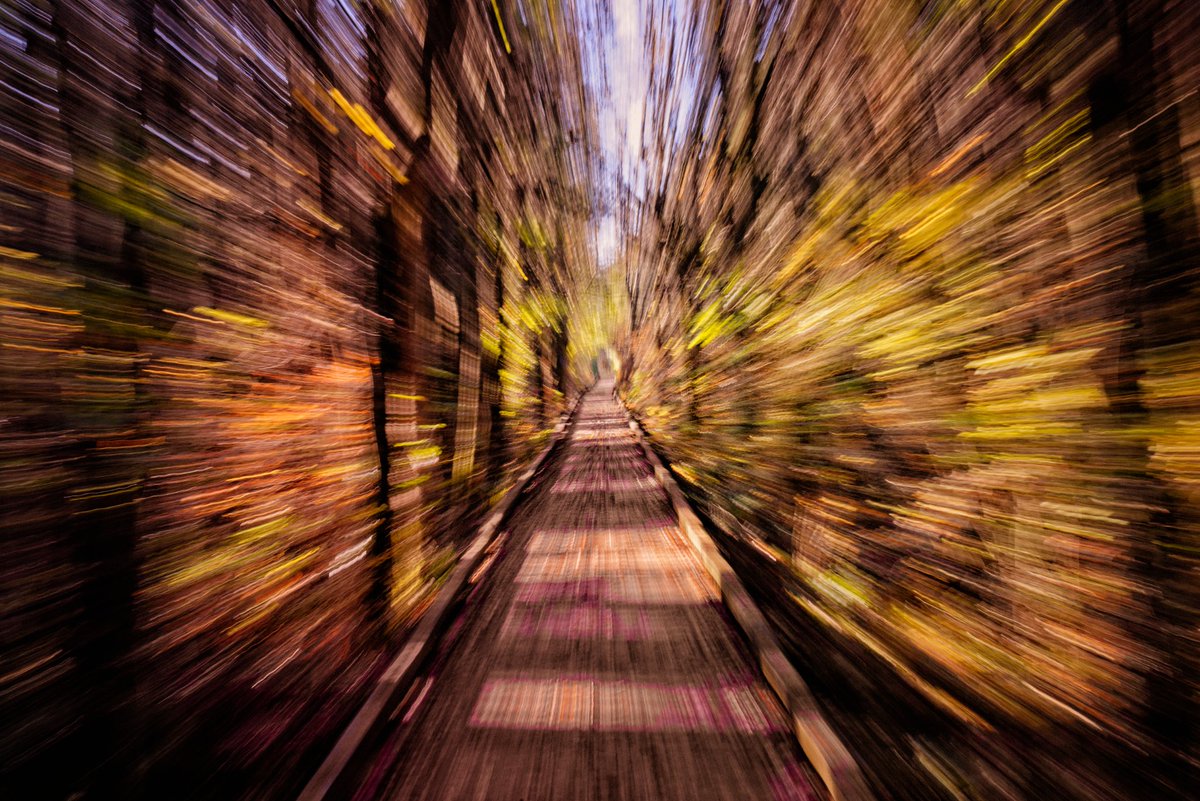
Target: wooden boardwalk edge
[[829, 756], [399, 676]]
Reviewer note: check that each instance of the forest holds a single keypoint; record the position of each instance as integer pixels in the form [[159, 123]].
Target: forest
[[904, 291]]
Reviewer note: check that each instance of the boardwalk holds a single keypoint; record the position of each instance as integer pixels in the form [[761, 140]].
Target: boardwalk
[[595, 662]]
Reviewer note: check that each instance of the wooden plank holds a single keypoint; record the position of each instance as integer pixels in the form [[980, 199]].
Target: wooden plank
[[829, 756], [399, 676]]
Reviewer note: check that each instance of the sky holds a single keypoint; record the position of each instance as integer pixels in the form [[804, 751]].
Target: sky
[[619, 80], [621, 70]]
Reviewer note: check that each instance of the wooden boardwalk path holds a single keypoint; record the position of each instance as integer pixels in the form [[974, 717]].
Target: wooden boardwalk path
[[595, 661]]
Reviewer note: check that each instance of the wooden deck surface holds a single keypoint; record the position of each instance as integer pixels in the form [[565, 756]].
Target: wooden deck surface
[[594, 662]]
